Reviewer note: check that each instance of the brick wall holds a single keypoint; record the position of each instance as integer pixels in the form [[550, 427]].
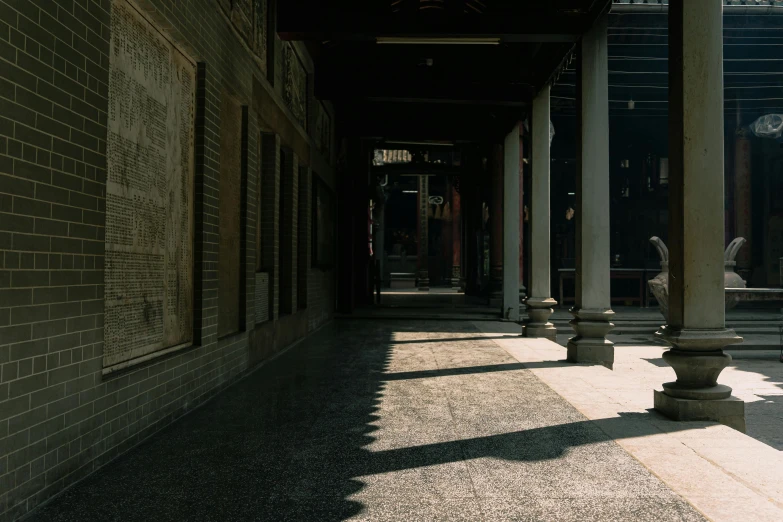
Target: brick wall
[[60, 416]]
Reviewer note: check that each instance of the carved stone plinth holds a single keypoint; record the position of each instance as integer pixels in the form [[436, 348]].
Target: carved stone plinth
[[697, 358], [537, 323], [729, 411], [423, 281], [590, 344], [455, 278]]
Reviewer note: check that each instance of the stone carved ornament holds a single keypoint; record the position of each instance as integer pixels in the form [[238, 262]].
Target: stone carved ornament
[[659, 285]]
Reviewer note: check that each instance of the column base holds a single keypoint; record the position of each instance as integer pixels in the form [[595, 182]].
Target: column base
[[423, 282], [546, 331], [590, 344], [599, 351], [697, 359], [537, 324], [729, 411], [496, 284], [455, 278]]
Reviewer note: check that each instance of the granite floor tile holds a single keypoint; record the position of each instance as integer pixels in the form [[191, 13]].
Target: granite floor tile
[[389, 420]]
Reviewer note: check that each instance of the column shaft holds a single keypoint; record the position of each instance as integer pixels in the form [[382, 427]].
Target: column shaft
[[456, 237], [696, 328], [522, 289], [511, 226], [496, 225], [380, 239], [540, 302], [742, 204], [423, 275], [592, 311]]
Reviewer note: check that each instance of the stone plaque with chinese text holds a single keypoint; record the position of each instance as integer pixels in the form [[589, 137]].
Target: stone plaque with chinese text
[[149, 191]]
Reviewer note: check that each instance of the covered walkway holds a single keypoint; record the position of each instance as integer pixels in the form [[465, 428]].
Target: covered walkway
[[200, 232], [390, 420]]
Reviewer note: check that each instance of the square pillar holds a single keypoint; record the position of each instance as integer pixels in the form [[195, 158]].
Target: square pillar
[[422, 260], [497, 166], [521, 275], [540, 302], [592, 310], [456, 237], [511, 226], [696, 329]]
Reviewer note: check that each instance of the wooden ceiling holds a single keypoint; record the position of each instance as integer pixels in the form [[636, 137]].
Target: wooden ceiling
[[454, 92]]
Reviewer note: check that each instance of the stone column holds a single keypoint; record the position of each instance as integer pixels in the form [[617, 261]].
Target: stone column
[[422, 261], [456, 237], [471, 207], [742, 203], [592, 310], [496, 227], [540, 302], [522, 289], [696, 329], [380, 238], [511, 226]]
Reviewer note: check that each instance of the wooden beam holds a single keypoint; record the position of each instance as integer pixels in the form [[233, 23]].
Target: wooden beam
[[411, 91], [513, 21], [413, 122]]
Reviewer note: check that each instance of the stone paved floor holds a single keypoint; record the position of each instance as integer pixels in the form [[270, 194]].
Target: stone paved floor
[[725, 474], [401, 420]]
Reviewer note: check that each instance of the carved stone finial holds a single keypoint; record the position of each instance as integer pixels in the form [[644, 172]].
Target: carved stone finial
[[732, 250], [663, 251]]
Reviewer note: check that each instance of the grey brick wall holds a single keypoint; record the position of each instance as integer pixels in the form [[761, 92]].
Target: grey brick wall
[[60, 416]]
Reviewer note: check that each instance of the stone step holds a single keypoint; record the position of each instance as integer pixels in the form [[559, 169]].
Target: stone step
[[742, 332]]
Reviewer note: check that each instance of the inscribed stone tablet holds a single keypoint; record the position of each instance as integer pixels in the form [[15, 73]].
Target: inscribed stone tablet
[[294, 83], [149, 191]]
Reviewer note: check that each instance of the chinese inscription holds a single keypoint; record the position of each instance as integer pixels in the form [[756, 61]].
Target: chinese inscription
[[251, 19], [323, 130], [294, 84], [149, 191]]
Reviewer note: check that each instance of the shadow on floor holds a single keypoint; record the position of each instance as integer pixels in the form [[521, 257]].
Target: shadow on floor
[[767, 414], [457, 339], [290, 441], [764, 417], [657, 361]]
